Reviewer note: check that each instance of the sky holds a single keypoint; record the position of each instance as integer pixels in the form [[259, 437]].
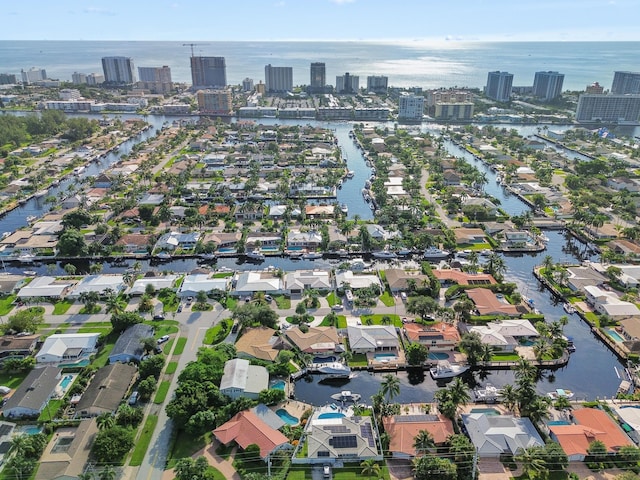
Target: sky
[[368, 20]]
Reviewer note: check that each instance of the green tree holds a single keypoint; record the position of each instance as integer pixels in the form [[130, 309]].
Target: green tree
[[416, 353], [71, 243], [77, 219], [189, 469], [108, 473], [429, 467], [112, 444], [532, 462], [128, 416], [370, 468], [390, 386], [105, 421], [25, 320], [462, 454], [151, 366], [70, 268], [423, 442], [121, 321], [146, 387]]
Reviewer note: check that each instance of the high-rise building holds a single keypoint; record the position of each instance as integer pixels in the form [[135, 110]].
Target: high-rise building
[[410, 107], [618, 109], [453, 111], [33, 75], [214, 102], [278, 79], [8, 79], [95, 79], [78, 78], [626, 82], [434, 97], [377, 83], [318, 78], [207, 72], [247, 85], [595, 88], [155, 79], [118, 70], [548, 85], [499, 86], [347, 83], [69, 94]]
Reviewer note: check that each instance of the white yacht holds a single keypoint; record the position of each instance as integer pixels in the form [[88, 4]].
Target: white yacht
[[434, 253], [384, 254], [344, 208], [334, 369], [560, 393], [446, 370], [255, 255], [312, 255], [346, 396], [350, 174]]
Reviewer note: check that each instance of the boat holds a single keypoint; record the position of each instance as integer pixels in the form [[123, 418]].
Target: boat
[[346, 396], [41, 193], [312, 255], [207, 256], [434, 253], [255, 255], [568, 308], [344, 208], [30, 273], [31, 218], [350, 174], [384, 254], [488, 394], [334, 368], [560, 393], [404, 252], [26, 258], [78, 170], [164, 256], [339, 184], [444, 369], [543, 238], [294, 254]]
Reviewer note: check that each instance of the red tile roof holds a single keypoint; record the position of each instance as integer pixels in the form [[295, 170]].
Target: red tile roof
[[403, 433], [463, 278], [246, 428], [417, 332], [488, 304]]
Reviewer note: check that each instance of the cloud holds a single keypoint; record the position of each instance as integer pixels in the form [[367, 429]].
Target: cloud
[[98, 11]]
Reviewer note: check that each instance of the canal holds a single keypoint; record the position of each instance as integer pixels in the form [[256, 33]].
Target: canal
[[591, 372]]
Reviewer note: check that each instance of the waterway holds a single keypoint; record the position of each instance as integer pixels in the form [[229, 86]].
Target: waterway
[[591, 372]]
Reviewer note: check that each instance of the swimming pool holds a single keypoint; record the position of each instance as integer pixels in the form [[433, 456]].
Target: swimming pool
[[66, 381], [324, 359], [615, 335], [438, 356], [330, 415], [385, 357], [227, 250], [30, 429], [286, 417], [558, 422], [81, 363], [279, 385], [269, 248], [486, 411], [295, 249]]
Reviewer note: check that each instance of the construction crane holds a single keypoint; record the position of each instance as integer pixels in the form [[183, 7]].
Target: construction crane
[[193, 45]]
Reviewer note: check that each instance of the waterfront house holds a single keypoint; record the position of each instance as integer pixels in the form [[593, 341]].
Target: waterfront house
[[581, 277], [67, 453], [222, 239], [33, 394], [248, 283], [248, 212], [590, 424], [10, 283], [372, 338], [347, 277], [297, 281], [46, 287], [257, 240], [378, 232], [487, 303], [455, 276], [317, 340], [319, 211], [67, 348], [100, 284], [158, 282], [202, 282], [466, 236], [518, 239], [496, 435], [505, 335], [310, 239], [625, 247], [128, 346], [135, 242], [173, 240], [333, 439], [13, 346], [607, 302], [630, 328], [437, 337], [108, 387], [245, 429], [401, 280], [260, 343], [451, 179], [624, 183], [240, 379], [403, 429]]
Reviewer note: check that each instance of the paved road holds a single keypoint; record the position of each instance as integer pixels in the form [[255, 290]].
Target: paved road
[[424, 192]]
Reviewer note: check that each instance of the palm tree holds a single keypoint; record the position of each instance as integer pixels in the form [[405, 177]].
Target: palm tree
[[532, 462], [390, 386], [370, 468], [129, 278], [423, 441], [541, 349], [108, 473], [547, 264], [459, 392], [105, 421], [114, 305], [509, 397], [526, 371]]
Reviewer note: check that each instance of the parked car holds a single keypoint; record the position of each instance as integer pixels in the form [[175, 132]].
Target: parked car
[[133, 399], [179, 308], [163, 339], [234, 329], [337, 307], [326, 471], [268, 298]]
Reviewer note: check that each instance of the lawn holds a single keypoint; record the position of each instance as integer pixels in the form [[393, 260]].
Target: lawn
[[161, 394], [333, 299], [171, 368], [505, 357], [50, 411], [354, 472], [180, 344], [143, 441], [592, 318], [103, 357], [185, 445], [230, 303], [6, 304], [167, 347], [222, 275], [94, 330], [218, 333], [61, 307], [282, 302], [164, 327], [170, 301], [12, 380], [342, 321], [376, 319], [358, 360], [387, 299], [94, 311]]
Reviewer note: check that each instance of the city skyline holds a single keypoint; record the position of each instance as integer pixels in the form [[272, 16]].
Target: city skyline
[[411, 22]]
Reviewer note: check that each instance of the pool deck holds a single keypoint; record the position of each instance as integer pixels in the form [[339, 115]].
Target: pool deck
[[293, 407]]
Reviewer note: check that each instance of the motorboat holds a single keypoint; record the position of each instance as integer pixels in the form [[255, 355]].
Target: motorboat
[[254, 255], [31, 218], [568, 308], [444, 369], [30, 273], [434, 253], [311, 255], [26, 258], [334, 368], [350, 174], [41, 193], [346, 396], [208, 256], [543, 238], [488, 394], [384, 254], [403, 252], [344, 208], [294, 254], [163, 256], [560, 393]]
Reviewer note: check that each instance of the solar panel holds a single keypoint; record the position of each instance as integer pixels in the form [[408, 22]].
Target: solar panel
[[416, 418], [336, 428], [4, 429], [344, 441], [366, 432]]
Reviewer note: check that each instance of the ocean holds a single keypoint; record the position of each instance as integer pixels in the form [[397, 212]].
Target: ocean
[[407, 64]]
